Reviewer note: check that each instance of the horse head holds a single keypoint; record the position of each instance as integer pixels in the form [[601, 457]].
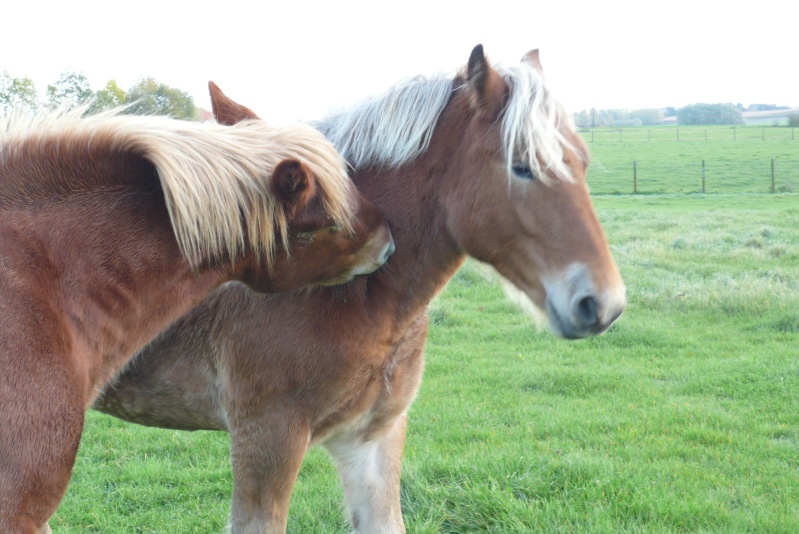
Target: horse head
[[518, 199], [365, 246]]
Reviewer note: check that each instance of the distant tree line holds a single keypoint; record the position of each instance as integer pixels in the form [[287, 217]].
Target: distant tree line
[[618, 118], [688, 115], [710, 114], [145, 97], [762, 107]]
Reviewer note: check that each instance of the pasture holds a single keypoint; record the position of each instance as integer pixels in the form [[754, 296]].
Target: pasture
[[669, 159], [682, 418]]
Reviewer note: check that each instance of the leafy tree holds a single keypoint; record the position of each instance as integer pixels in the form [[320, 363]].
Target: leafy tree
[[71, 90], [709, 114], [582, 119], [608, 118], [149, 97], [618, 118], [600, 118], [17, 93], [108, 97], [648, 117], [621, 117]]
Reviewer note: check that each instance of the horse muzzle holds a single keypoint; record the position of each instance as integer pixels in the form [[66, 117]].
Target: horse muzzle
[[576, 308]]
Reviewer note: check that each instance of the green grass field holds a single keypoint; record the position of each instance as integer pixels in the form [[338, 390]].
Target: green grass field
[[684, 417], [669, 159]]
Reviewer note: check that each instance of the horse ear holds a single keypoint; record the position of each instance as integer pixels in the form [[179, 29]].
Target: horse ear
[[486, 85], [294, 185], [226, 111], [532, 58]]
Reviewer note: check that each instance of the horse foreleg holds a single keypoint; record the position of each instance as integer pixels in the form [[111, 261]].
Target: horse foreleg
[[41, 420], [266, 456], [370, 472]]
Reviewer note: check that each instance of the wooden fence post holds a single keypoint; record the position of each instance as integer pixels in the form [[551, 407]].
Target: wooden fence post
[[703, 176], [772, 175], [635, 177]]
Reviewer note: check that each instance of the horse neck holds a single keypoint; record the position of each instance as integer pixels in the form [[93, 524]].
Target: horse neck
[[109, 260], [410, 197]]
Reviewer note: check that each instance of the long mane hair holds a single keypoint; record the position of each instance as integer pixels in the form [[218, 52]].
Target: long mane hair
[[215, 178], [395, 128]]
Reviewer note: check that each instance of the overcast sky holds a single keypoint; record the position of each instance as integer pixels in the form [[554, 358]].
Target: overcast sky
[[292, 60]]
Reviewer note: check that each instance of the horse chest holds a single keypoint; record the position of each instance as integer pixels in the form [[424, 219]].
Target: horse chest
[[384, 394]]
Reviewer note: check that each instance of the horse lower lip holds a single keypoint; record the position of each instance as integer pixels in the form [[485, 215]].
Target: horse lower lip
[[343, 279], [562, 328]]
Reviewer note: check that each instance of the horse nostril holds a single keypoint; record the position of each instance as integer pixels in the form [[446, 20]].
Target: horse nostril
[[587, 311], [389, 250]]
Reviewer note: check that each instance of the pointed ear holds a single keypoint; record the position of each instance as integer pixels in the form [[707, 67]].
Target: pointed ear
[[532, 58], [486, 85], [226, 111], [294, 185]]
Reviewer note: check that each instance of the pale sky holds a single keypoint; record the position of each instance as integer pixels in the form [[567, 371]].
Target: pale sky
[[294, 60]]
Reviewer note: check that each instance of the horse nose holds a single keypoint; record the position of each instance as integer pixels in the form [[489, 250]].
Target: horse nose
[[616, 314], [388, 251], [578, 306], [594, 314], [587, 311]]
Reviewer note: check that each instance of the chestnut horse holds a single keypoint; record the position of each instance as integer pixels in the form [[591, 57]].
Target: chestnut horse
[[486, 164], [112, 227]]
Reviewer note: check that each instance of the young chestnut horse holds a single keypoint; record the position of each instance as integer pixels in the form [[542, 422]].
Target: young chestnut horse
[[486, 164], [112, 227]]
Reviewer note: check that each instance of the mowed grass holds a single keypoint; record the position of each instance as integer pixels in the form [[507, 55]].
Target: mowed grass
[[669, 159], [684, 417]]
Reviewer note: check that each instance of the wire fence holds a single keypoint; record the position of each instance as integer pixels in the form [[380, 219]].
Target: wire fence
[[637, 177], [668, 159], [690, 133]]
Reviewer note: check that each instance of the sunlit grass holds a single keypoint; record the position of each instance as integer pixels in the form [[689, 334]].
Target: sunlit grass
[[684, 417]]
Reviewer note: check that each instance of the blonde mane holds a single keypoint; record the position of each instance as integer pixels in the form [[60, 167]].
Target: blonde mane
[[392, 129], [534, 123], [216, 179], [395, 128]]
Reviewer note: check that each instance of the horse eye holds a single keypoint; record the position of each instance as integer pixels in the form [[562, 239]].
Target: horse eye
[[523, 171]]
